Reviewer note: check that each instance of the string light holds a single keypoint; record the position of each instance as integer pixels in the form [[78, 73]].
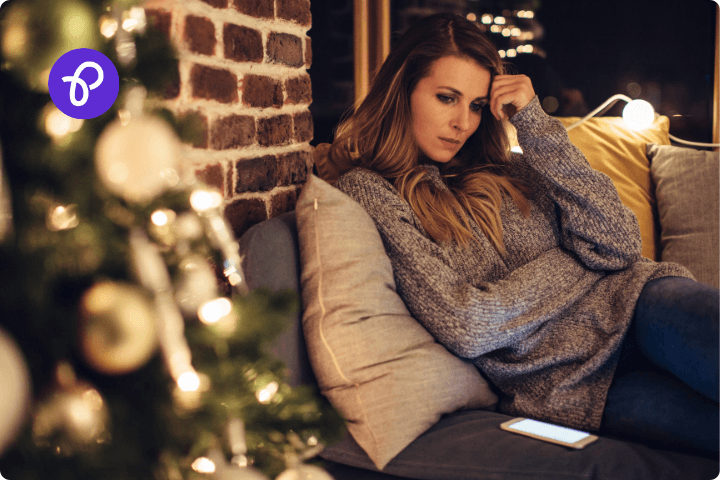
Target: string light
[[500, 20], [265, 395], [203, 200], [189, 381], [212, 311], [108, 26], [487, 19], [203, 465]]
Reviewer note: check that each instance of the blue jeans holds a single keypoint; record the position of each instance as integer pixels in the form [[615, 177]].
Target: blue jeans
[[665, 391]]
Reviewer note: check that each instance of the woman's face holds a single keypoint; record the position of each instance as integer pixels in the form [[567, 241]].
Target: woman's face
[[446, 106]]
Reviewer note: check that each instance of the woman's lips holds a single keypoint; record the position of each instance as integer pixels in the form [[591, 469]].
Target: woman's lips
[[450, 141]]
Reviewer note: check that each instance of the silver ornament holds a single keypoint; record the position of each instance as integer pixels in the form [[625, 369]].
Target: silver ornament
[[15, 391]]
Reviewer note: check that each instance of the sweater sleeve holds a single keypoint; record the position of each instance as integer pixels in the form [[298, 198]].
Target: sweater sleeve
[[594, 223], [469, 320]]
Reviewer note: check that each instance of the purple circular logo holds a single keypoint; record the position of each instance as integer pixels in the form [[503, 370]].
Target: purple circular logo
[[83, 83]]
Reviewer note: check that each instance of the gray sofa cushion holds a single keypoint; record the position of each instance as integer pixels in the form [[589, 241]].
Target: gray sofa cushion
[[687, 190], [462, 445]]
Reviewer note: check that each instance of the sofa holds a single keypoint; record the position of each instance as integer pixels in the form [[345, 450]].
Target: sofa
[[413, 410]]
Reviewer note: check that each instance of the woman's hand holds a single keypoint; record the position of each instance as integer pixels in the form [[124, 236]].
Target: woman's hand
[[509, 94]]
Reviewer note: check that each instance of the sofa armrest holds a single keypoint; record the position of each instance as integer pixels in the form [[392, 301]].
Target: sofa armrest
[[271, 259]]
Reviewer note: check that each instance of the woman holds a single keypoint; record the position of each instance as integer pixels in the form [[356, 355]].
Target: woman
[[529, 265]]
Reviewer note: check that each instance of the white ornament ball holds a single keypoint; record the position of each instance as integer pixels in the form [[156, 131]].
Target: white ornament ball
[[198, 284], [304, 472], [139, 160], [241, 473], [15, 391], [117, 330]]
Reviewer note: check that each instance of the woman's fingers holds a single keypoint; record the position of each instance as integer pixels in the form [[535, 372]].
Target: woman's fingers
[[510, 93]]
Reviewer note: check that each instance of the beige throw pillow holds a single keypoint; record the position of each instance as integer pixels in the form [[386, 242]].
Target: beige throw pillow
[[374, 362]]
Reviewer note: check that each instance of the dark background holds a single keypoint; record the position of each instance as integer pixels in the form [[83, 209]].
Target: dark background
[[593, 50]]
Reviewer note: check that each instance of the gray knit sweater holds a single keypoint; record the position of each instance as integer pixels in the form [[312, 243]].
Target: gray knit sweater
[[544, 323]]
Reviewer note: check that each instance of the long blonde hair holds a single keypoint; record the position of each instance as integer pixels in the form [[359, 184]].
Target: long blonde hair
[[379, 136]]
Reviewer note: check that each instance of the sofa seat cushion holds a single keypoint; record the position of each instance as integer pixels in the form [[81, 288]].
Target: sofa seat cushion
[[469, 445]]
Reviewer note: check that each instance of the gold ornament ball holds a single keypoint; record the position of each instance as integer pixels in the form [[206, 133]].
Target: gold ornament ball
[[304, 472], [117, 330], [33, 35], [70, 419], [15, 391], [139, 160]]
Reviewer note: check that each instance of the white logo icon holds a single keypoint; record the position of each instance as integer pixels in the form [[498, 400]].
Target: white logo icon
[[76, 80]]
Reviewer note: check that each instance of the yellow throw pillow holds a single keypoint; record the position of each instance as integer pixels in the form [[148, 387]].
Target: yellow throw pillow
[[612, 148]]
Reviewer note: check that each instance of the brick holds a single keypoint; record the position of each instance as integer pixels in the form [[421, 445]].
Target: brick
[[242, 44], [261, 91], [200, 35], [285, 48], [303, 127], [217, 3], [283, 202], [233, 131], [275, 130], [297, 11], [299, 89], [160, 20], [292, 168], [212, 176], [256, 8], [256, 174], [308, 52], [213, 84], [244, 213]]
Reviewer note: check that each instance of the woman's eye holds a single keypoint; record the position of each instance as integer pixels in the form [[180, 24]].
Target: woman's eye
[[444, 98], [476, 107]]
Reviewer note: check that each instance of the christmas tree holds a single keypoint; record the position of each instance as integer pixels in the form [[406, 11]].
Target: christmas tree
[[129, 344]]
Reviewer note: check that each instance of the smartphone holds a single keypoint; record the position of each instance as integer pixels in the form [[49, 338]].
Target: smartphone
[[567, 437]]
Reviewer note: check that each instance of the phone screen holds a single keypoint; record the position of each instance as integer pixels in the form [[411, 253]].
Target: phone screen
[[555, 432]]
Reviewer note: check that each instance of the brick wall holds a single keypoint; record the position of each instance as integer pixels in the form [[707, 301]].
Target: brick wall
[[243, 73]]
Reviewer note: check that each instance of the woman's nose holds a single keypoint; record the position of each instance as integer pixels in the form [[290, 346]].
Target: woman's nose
[[461, 120]]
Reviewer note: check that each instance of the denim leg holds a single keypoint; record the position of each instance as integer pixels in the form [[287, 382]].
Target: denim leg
[[653, 407], [665, 391], [676, 328]]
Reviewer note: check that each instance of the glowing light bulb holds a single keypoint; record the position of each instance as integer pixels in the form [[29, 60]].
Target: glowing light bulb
[[214, 310], [638, 114], [159, 218], [203, 465], [203, 200], [487, 19], [500, 20], [266, 394], [108, 26], [472, 17], [188, 381]]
